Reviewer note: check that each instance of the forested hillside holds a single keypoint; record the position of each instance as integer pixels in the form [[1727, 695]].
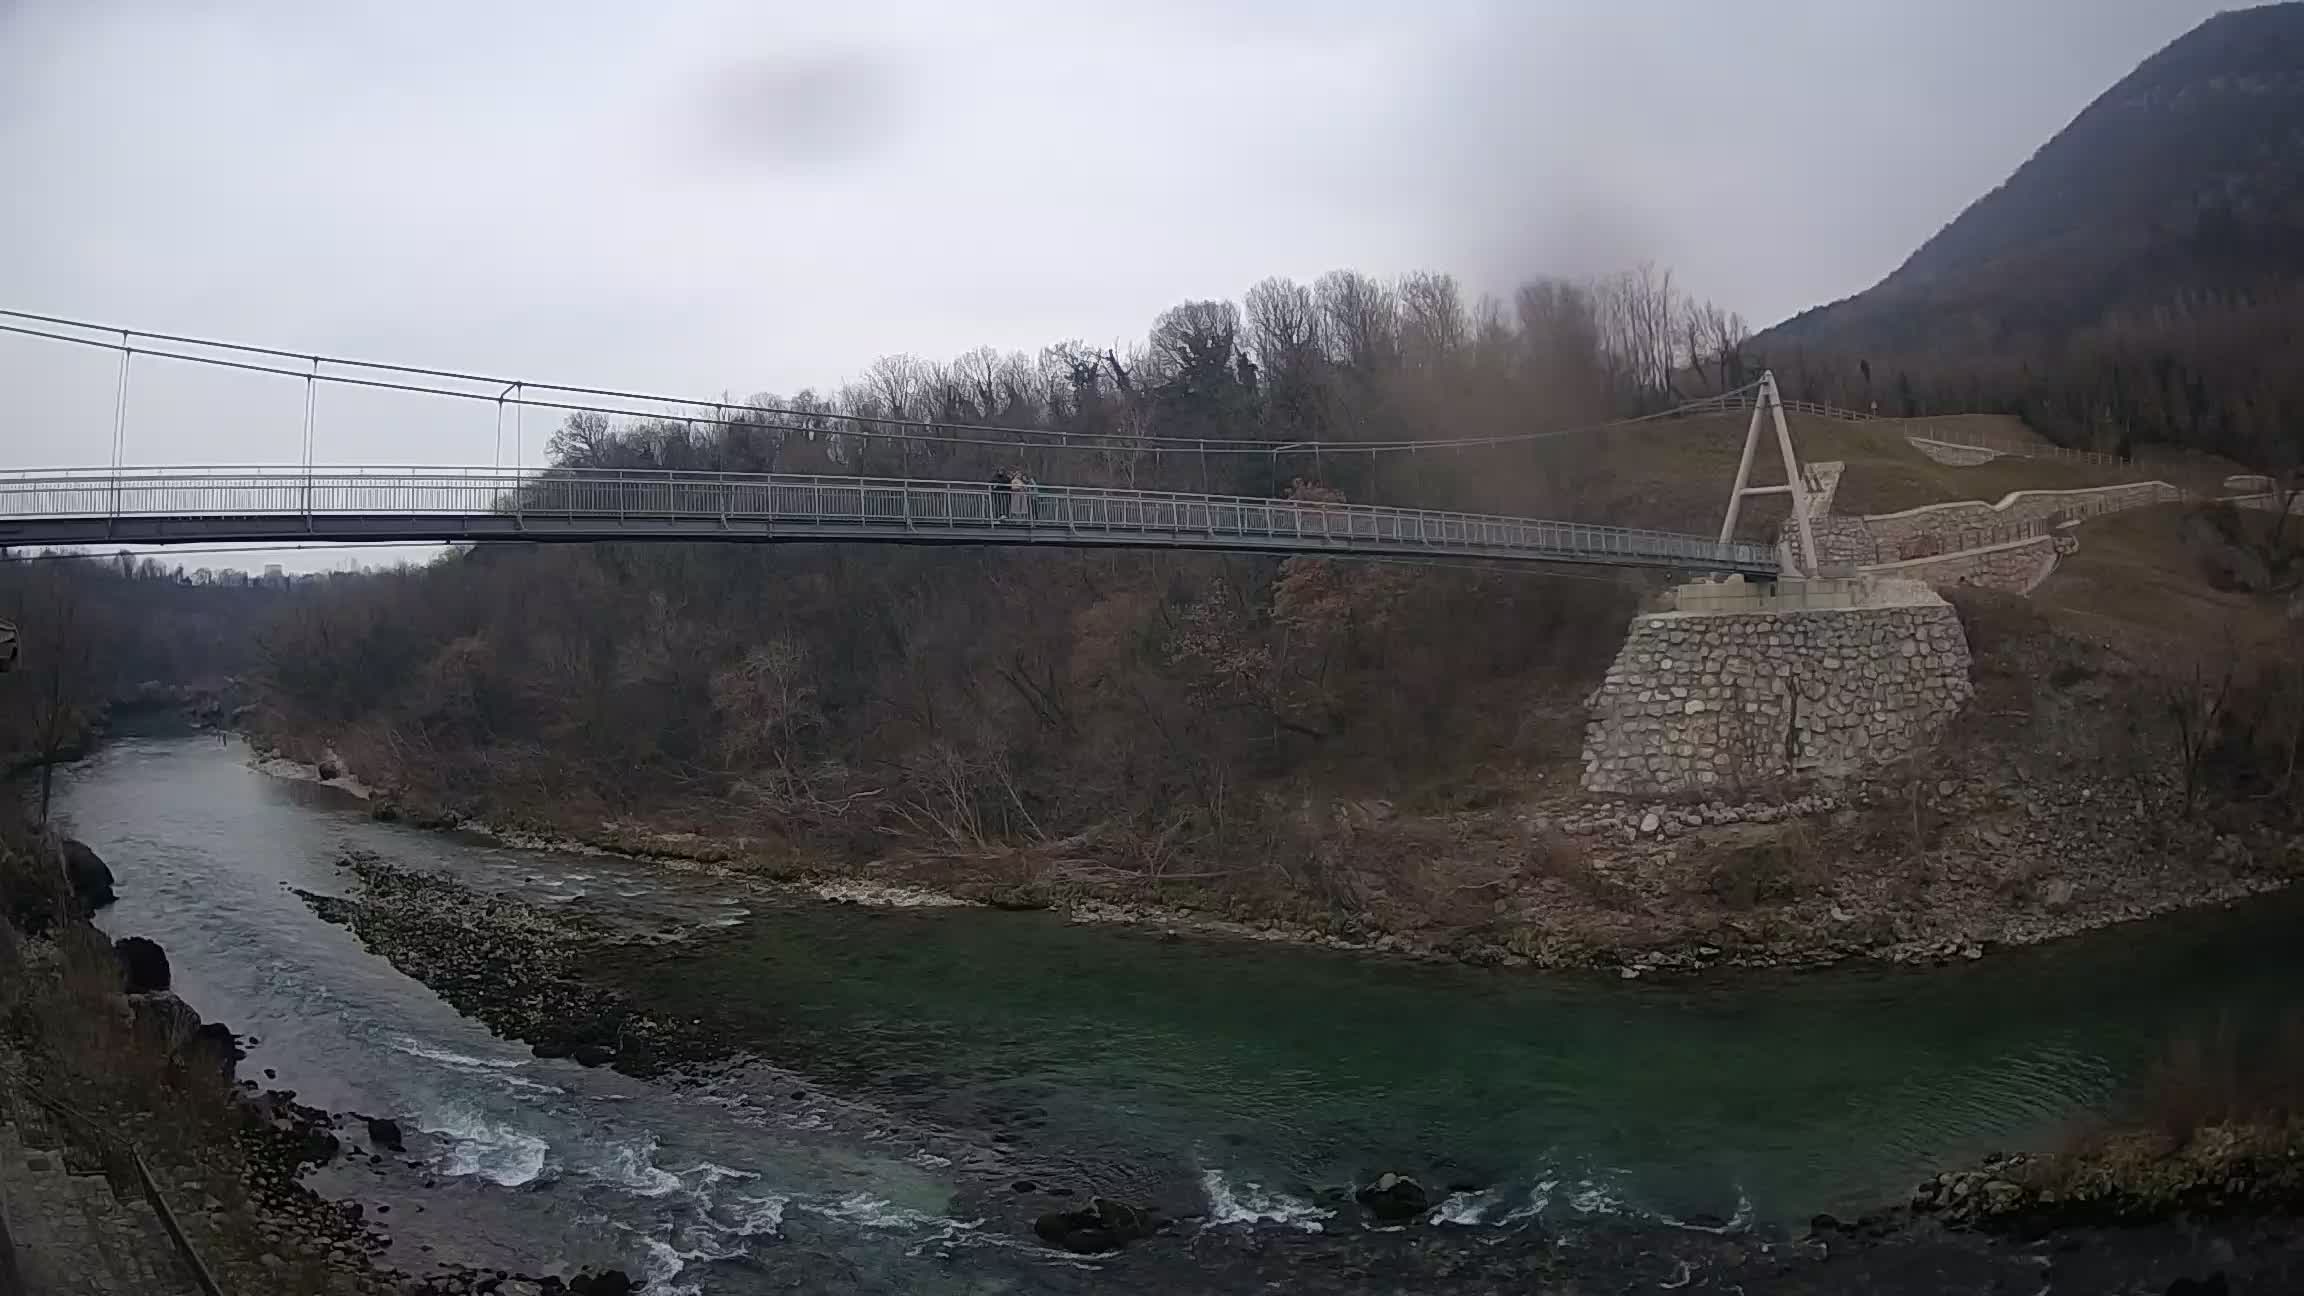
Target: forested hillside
[[97, 634], [2140, 279], [1179, 711]]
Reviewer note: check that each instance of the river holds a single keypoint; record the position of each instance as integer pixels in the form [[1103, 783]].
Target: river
[[915, 1066]]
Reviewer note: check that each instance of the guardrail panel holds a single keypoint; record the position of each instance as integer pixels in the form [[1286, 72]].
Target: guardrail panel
[[761, 502]]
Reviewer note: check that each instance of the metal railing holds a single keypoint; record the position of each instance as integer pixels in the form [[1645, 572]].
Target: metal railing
[[1966, 440], [1920, 427], [1737, 402], [160, 505], [121, 1159]]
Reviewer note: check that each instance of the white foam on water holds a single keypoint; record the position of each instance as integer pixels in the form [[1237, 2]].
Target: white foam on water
[[1250, 1203], [704, 1174], [1738, 1222], [486, 1149], [761, 1216], [662, 1264], [1466, 1209], [631, 1165], [867, 1211], [927, 1160], [1593, 1197], [417, 1048], [1539, 1201]]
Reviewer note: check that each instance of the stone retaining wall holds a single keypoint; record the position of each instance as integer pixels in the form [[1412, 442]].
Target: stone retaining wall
[[2016, 567], [1707, 702], [1845, 540], [1957, 456], [1891, 531]]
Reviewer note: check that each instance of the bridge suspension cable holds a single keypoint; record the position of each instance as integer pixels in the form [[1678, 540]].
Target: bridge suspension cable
[[516, 393]]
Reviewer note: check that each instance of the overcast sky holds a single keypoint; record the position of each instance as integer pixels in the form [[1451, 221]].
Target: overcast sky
[[709, 196]]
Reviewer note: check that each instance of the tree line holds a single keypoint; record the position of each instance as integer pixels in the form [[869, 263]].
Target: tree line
[[1163, 714]]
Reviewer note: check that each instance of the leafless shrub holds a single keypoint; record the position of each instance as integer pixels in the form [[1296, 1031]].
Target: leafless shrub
[[1786, 868], [2223, 1074]]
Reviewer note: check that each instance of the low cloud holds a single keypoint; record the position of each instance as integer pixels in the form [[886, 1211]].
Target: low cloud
[[815, 109]]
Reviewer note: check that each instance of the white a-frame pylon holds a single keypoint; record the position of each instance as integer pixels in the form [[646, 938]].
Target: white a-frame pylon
[[1767, 404]]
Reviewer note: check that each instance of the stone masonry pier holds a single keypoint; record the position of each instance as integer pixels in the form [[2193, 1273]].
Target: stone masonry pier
[[1741, 685]]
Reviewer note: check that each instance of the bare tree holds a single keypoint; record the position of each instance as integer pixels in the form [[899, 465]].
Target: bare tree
[[1360, 321], [1560, 340], [1639, 313], [1197, 340], [1433, 325], [61, 674], [2195, 704], [1283, 328], [1713, 341]]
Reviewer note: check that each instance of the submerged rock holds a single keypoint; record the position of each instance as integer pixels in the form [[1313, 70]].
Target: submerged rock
[[1089, 1241], [90, 877], [1103, 1225], [386, 1135], [1394, 1198]]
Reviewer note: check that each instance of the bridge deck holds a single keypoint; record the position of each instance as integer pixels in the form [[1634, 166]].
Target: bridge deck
[[185, 505]]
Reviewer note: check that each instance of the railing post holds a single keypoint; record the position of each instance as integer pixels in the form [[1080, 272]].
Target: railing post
[[119, 429], [311, 394]]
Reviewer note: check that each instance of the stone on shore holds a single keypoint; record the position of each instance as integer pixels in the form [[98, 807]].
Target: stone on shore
[[90, 877], [143, 965]]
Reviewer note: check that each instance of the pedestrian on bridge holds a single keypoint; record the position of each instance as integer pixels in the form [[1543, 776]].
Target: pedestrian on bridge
[[996, 503], [1019, 498]]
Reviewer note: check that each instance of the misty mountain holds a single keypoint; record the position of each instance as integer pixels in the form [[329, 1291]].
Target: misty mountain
[[2163, 226]]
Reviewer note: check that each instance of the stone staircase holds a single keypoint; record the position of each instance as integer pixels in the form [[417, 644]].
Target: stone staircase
[[74, 1236]]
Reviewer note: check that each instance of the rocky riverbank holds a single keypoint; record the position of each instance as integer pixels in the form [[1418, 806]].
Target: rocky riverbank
[[513, 966], [2234, 1168], [1921, 868], [99, 1053]]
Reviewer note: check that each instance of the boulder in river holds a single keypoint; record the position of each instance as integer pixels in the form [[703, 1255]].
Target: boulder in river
[[143, 965], [386, 1135], [1104, 1225], [329, 769], [90, 878], [1090, 1241], [1394, 1198], [608, 1282], [593, 1055]]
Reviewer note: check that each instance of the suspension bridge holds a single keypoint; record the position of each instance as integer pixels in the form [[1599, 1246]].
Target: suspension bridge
[[310, 502]]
